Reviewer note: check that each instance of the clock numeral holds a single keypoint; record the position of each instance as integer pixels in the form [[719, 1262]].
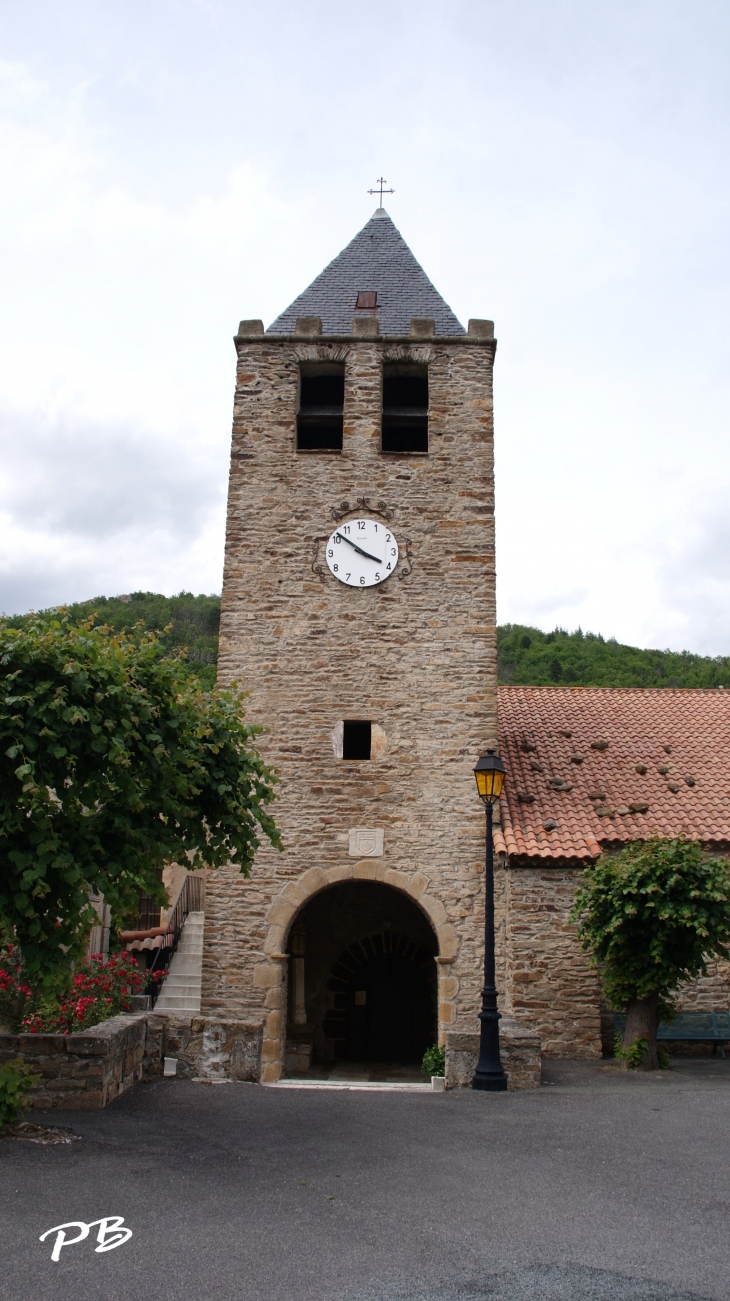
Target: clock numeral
[[361, 523], [377, 575], [376, 528], [330, 553], [335, 567], [348, 576], [387, 537], [338, 539], [388, 565], [346, 528], [392, 551], [362, 580]]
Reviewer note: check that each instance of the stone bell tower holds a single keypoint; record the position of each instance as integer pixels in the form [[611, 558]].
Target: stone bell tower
[[359, 614]]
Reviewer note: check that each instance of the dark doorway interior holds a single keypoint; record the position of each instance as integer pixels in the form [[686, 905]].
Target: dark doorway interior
[[388, 997], [369, 974]]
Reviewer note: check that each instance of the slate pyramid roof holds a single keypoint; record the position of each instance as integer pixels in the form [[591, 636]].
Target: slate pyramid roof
[[379, 259]]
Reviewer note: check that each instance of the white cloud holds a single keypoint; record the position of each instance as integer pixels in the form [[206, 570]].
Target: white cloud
[[562, 169]]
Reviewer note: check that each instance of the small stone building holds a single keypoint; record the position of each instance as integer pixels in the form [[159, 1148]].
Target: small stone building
[[591, 769], [359, 614]]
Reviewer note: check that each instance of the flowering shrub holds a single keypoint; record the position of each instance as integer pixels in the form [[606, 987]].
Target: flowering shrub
[[14, 993], [100, 989]]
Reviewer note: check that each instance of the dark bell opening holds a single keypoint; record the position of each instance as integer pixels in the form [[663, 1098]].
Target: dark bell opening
[[404, 390], [319, 420], [356, 736], [405, 409], [322, 390], [319, 434], [405, 435]]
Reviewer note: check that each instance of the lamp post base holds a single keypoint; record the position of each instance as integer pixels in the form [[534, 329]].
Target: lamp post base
[[489, 1074], [490, 1082]]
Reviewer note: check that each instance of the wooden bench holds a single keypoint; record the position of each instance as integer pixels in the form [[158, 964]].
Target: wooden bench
[[701, 1027]]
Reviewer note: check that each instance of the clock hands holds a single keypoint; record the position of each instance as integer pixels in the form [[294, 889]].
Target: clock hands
[[357, 548]]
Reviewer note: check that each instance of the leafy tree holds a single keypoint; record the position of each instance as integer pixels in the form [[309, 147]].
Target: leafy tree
[[112, 761], [651, 916]]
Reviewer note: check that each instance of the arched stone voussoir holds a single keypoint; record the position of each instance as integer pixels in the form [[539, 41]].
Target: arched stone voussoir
[[294, 895], [369, 869], [448, 941], [313, 880], [274, 939], [433, 907]]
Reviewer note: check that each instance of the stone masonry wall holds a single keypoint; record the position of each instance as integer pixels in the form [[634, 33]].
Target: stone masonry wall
[[416, 655], [707, 992], [86, 1071], [549, 982], [519, 1050]]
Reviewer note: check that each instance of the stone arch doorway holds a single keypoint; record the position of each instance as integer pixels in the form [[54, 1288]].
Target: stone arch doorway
[[363, 978]]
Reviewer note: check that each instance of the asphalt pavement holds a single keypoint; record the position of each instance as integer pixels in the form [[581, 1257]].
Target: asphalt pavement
[[600, 1186]]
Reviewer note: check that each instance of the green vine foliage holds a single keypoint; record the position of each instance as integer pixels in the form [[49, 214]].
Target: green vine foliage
[[634, 1055], [651, 916], [434, 1061], [112, 762], [15, 1080]]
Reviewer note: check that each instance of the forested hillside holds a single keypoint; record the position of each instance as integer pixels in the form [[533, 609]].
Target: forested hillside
[[526, 655], [194, 621], [530, 657]]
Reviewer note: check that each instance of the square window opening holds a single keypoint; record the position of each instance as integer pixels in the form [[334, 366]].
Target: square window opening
[[405, 409], [321, 401], [356, 739]]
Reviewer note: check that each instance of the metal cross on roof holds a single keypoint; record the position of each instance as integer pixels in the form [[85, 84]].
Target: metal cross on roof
[[380, 190]]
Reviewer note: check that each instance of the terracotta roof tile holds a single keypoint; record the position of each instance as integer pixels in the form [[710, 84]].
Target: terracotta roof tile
[[685, 732]]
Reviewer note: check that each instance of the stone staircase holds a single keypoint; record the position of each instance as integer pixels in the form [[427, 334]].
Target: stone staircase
[[180, 994]]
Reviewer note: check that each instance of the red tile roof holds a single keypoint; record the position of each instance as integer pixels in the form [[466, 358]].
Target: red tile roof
[[595, 741]]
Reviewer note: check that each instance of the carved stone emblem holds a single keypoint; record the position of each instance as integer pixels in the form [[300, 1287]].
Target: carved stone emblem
[[366, 842]]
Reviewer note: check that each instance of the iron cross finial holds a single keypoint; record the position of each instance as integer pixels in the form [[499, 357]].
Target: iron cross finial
[[381, 190]]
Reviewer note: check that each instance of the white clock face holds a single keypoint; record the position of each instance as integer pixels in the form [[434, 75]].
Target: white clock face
[[362, 552]]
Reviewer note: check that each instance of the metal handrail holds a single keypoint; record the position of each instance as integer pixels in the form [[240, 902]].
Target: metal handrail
[[189, 900]]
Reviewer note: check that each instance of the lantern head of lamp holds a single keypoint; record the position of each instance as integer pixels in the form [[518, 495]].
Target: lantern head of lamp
[[489, 774]]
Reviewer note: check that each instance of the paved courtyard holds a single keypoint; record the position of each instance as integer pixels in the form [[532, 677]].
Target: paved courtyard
[[601, 1186]]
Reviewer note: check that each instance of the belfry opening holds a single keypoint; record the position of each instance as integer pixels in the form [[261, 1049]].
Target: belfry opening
[[362, 982]]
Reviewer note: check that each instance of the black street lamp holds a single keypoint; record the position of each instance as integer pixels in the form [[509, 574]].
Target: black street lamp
[[489, 1074]]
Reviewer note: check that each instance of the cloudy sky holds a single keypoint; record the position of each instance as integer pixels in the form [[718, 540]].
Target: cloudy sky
[[170, 166]]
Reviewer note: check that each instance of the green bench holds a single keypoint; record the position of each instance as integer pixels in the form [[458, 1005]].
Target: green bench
[[702, 1027]]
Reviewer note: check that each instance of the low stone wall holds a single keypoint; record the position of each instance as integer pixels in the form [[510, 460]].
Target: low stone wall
[[519, 1049], [211, 1049], [89, 1069]]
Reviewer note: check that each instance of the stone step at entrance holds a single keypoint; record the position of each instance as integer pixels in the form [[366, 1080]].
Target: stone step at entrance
[[358, 1075], [181, 989], [355, 1085]]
